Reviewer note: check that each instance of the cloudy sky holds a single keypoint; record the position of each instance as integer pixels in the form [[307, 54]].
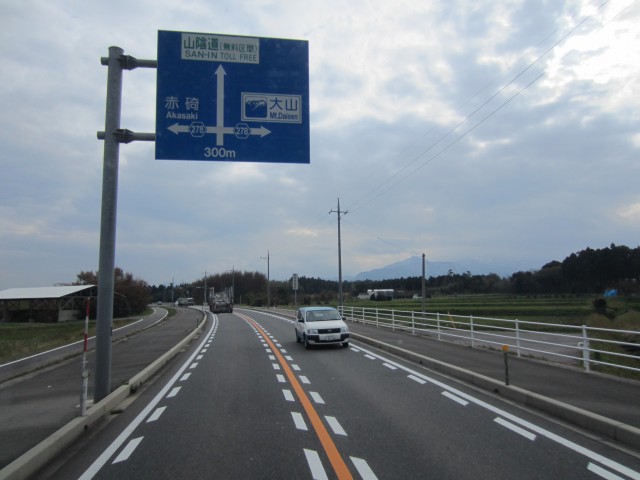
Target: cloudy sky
[[501, 132]]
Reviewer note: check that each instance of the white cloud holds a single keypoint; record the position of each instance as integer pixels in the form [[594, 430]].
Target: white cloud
[[532, 173], [630, 213]]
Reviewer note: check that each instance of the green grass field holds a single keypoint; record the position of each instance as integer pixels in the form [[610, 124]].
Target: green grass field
[[19, 340], [565, 310]]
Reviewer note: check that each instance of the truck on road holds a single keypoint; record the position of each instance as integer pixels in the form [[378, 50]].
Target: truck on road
[[220, 304]]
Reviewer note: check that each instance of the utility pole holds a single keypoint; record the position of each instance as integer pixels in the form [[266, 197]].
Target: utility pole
[[205, 290], [268, 281], [340, 213], [424, 293]]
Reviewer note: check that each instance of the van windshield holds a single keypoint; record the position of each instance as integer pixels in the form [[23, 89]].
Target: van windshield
[[321, 315]]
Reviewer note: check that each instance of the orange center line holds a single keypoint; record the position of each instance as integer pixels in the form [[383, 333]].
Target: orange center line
[[323, 435]]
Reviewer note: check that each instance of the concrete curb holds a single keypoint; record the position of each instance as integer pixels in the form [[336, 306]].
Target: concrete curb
[[612, 429], [31, 461]]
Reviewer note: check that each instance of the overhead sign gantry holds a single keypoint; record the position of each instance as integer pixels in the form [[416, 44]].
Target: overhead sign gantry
[[232, 98]]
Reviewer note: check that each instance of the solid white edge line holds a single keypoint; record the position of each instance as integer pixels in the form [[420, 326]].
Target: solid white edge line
[[618, 467], [95, 467], [363, 469], [315, 465], [515, 428], [606, 474], [75, 343], [128, 450]]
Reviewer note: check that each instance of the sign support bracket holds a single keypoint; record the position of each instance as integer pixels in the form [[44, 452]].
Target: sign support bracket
[[113, 136]]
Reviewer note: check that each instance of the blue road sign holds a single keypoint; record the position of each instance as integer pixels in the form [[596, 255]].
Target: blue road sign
[[232, 98]]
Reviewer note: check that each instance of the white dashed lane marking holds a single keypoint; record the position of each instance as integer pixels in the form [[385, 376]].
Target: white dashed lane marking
[[298, 420], [316, 397], [335, 425], [455, 398], [156, 414], [128, 450], [525, 433], [174, 392]]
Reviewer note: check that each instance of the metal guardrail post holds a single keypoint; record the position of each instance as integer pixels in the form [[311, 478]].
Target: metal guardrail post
[[473, 338], [534, 342], [585, 349]]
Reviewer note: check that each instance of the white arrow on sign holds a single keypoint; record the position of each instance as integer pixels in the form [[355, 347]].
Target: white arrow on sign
[[220, 73], [198, 130], [177, 128]]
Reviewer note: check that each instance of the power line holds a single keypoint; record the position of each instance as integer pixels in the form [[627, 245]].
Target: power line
[[470, 115]]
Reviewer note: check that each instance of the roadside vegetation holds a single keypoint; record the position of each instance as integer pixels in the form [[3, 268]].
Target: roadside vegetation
[[597, 288], [18, 340]]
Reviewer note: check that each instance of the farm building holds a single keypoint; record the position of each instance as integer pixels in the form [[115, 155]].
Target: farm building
[[45, 304]]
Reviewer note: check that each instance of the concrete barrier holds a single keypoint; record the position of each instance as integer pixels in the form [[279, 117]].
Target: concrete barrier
[[37, 457]]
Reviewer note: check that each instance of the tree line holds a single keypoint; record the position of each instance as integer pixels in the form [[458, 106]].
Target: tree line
[[588, 271]]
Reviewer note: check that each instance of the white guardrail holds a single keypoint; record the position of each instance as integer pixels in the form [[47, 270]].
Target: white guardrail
[[618, 349]]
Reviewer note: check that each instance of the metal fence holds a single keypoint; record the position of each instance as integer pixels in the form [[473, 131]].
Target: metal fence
[[591, 346]]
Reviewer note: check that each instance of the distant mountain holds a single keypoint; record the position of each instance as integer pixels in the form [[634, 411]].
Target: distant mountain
[[412, 267]]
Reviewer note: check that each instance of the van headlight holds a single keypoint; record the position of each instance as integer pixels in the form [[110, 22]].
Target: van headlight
[[344, 329], [312, 331]]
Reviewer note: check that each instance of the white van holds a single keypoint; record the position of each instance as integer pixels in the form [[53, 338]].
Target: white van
[[321, 326]]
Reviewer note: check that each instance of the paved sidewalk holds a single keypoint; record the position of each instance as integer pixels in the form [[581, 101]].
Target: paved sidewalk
[[612, 397]]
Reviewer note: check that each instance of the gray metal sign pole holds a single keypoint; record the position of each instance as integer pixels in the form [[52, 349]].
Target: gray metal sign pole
[[106, 264], [112, 136]]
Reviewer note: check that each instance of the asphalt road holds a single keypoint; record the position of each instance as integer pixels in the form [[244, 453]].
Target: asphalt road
[[27, 420], [247, 401], [34, 362]]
